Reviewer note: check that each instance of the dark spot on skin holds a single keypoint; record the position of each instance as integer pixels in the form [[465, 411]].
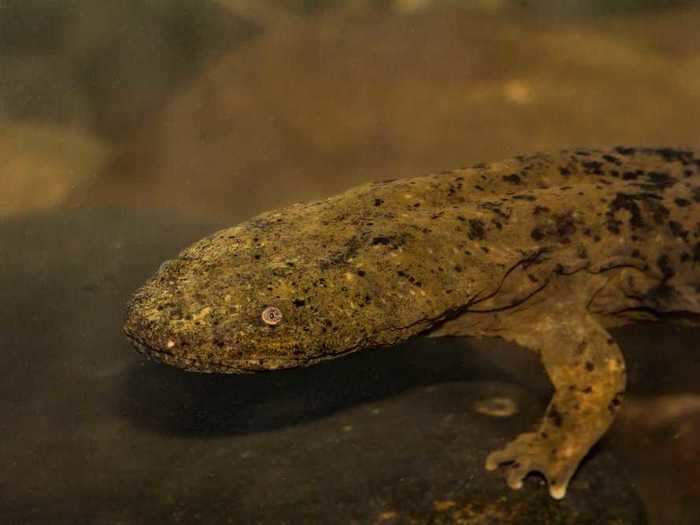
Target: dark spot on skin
[[612, 159], [590, 366], [659, 212], [587, 390], [624, 201], [555, 416], [625, 151], [381, 240], [458, 269], [565, 171], [477, 187], [495, 207], [513, 179], [630, 202], [678, 230], [476, 229], [539, 210], [524, 197], [660, 181], [593, 167], [298, 302], [484, 249], [616, 402], [350, 249], [410, 278], [696, 252], [361, 273], [664, 264], [565, 224], [537, 234], [257, 256], [681, 202], [675, 155], [378, 202]]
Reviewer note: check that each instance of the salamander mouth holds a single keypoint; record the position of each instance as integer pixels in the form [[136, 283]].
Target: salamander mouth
[[185, 362], [146, 349]]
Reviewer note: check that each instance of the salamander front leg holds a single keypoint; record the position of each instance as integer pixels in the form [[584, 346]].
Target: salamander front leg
[[587, 370]]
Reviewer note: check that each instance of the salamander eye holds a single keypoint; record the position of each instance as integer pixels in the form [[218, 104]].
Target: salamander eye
[[271, 315]]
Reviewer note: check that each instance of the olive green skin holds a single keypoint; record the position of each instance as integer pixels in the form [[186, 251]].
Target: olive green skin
[[546, 250], [386, 261]]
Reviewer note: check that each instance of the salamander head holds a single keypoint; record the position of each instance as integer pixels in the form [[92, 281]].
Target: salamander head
[[281, 291]]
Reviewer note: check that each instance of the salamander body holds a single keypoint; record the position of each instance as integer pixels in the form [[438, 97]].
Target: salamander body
[[547, 250]]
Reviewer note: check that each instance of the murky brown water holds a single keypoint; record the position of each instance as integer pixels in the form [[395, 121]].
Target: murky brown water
[[181, 117]]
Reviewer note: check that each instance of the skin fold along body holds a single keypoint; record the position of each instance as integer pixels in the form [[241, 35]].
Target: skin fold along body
[[547, 251]]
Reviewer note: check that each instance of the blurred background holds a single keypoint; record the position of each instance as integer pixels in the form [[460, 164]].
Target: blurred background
[[225, 108], [210, 111]]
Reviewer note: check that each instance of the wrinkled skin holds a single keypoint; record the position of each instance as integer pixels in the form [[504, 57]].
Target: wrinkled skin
[[546, 251]]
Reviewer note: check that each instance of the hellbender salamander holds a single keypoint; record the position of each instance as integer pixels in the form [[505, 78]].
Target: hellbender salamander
[[546, 250]]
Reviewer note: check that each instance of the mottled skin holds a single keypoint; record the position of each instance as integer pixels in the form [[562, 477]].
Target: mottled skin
[[546, 250]]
